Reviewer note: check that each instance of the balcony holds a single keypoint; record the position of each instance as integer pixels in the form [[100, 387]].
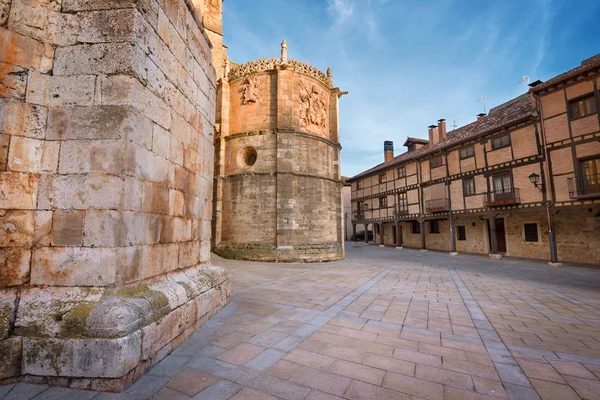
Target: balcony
[[584, 186], [436, 205], [502, 197]]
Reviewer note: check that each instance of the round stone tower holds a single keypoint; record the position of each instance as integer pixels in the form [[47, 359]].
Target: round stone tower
[[277, 191]]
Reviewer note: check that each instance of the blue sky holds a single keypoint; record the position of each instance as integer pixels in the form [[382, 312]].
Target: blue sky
[[408, 63]]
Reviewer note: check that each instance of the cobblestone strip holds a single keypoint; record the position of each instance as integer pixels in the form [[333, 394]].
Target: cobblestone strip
[[516, 383]]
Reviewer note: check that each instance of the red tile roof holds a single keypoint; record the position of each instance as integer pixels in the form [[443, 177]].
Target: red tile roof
[[590, 64], [514, 111]]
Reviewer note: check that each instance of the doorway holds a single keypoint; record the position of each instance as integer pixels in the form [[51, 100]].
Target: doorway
[[500, 235]]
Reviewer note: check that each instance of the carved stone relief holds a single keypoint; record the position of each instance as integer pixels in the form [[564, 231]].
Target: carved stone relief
[[313, 106], [264, 64], [250, 90]]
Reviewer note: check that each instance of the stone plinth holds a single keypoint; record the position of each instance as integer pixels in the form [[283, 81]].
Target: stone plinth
[[106, 162]]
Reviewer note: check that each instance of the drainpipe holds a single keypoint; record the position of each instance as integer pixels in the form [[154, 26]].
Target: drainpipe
[[548, 186]]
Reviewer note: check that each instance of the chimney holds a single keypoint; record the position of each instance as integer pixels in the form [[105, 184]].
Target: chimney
[[480, 115], [388, 150], [442, 129], [433, 135]]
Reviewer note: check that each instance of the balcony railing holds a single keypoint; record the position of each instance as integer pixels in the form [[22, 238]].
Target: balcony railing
[[502, 197], [436, 205], [358, 216], [584, 186]]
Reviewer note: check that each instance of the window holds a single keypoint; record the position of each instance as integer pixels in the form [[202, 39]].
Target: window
[[590, 176], [383, 202], [415, 227], [501, 141], [461, 231], [502, 183], [467, 152], [401, 172], [469, 186], [358, 185], [382, 178], [434, 226], [402, 203], [583, 106], [435, 162], [531, 232]]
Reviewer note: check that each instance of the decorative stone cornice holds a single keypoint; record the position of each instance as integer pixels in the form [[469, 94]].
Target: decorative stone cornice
[[264, 64]]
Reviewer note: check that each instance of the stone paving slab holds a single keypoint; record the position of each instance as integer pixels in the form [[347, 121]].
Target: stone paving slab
[[385, 324]]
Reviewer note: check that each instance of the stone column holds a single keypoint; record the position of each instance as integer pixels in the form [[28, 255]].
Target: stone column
[[354, 232], [381, 235], [398, 235], [422, 229], [106, 123], [493, 238], [367, 233]]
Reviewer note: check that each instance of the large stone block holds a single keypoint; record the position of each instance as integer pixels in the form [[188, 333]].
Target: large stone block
[[94, 358], [19, 191], [96, 122], [25, 154], [22, 119], [14, 266], [67, 228], [104, 58], [80, 192], [10, 357], [41, 310], [82, 156], [16, 228], [7, 312], [76, 266], [23, 51]]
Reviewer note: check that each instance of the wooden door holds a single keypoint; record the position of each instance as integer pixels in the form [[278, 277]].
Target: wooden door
[[500, 235]]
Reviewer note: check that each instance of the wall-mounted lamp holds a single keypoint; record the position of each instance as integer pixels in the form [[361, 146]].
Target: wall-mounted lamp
[[535, 179], [597, 216], [366, 206]]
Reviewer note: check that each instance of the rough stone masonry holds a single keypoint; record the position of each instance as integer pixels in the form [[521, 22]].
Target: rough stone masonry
[[106, 163]]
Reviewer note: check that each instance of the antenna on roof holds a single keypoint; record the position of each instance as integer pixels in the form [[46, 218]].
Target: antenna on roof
[[454, 126], [482, 99], [525, 79]]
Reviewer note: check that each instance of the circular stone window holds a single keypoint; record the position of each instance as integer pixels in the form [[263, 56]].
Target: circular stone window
[[249, 156]]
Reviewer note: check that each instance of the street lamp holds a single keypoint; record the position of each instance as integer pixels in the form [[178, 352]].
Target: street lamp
[[366, 206], [535, 179]]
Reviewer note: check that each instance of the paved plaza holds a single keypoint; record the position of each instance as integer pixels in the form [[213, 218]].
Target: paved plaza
[[385, 324]]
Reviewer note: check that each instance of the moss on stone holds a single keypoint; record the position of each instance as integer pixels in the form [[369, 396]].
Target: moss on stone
[[188, 289], [139, 291], [73, 322], [159, 303]]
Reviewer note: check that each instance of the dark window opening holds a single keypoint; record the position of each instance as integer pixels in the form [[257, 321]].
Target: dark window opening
[[434, 226], [415, 227], [531, 233], [402, 203], [382, 202], [461, 232], [467, 152], [469, 186], [435, 162], [501, 141], [582, 107]]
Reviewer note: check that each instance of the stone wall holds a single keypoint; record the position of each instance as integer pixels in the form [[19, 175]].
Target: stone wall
[[106, 121]]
